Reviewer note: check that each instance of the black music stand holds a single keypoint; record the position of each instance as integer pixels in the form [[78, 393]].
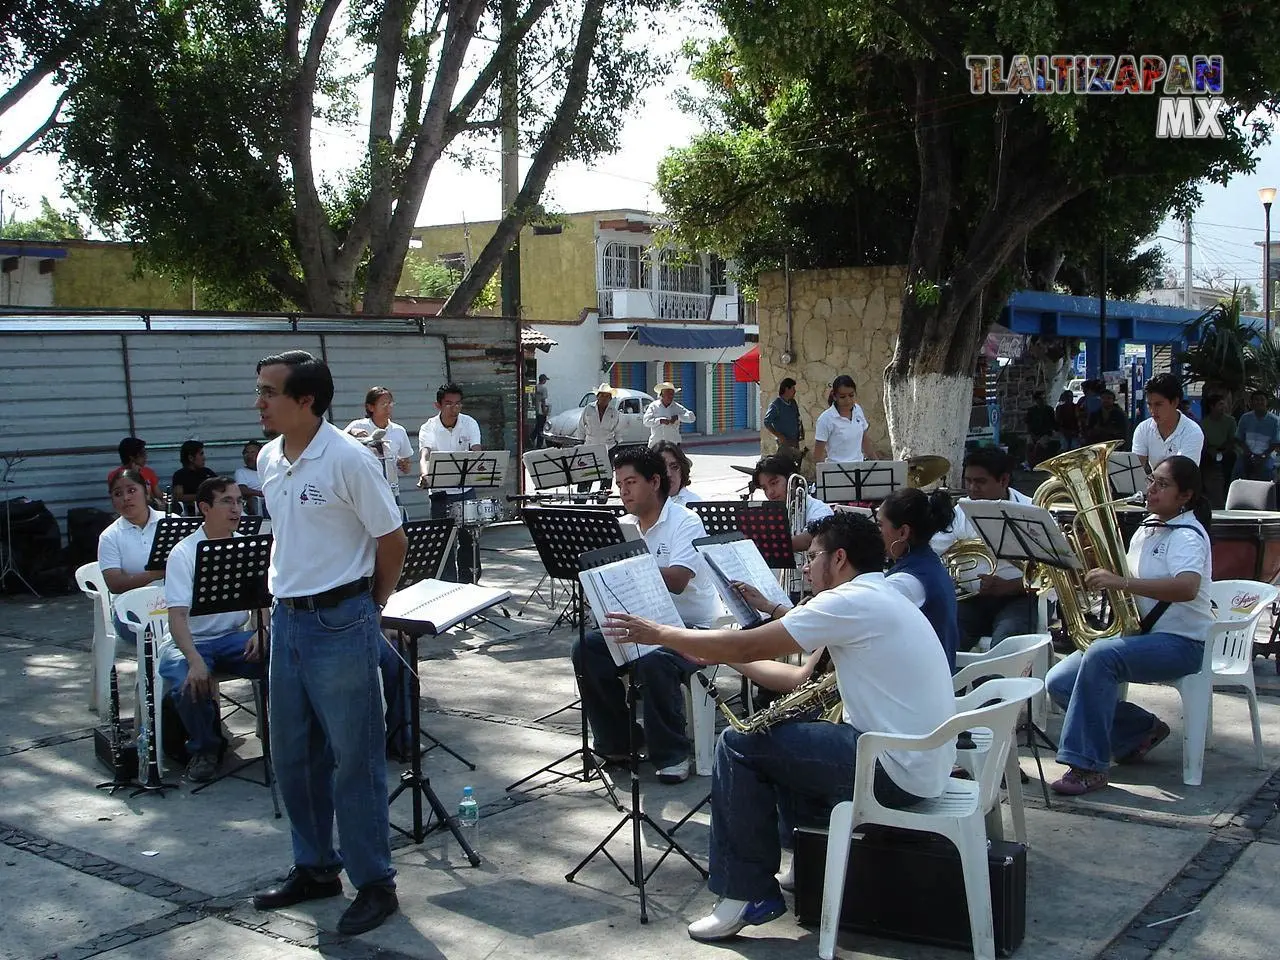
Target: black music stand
[[429, 544], [460, 469], [636, 816], [1127, 474], [230, 577], [860, 481], [765, 524], [413, 779], [717, 516], [562, 535], [171, 530]]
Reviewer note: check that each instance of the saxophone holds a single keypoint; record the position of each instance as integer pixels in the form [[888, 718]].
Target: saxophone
[[819, 692], [1080, 477]]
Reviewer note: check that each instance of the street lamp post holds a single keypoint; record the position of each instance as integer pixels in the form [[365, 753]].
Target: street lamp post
[[1267, 195]]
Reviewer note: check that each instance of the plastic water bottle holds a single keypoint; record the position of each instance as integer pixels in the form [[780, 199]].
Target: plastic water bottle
[[469, 818]]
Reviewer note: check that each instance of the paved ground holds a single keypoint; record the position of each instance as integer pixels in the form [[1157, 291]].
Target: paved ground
[[88, 874]]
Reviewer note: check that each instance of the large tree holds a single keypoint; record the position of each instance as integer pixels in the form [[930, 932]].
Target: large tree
[[199, 136], [845, 133]]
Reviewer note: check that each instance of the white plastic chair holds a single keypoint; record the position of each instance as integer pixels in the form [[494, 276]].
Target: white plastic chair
[[1017, 656], [1228, 662], [702, 717], [956, 815], [102, 654], [141, 609]]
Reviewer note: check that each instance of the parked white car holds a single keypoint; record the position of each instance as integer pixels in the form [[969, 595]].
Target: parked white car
[[562, 428]]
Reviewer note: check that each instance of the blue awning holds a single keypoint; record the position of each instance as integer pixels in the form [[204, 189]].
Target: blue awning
[[714, 339]]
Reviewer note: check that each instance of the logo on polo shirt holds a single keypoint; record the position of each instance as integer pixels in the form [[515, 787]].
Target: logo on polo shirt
[[311, 495], [663, 550]]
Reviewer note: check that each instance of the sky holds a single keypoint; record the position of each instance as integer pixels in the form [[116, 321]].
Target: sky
[[1227, 230]]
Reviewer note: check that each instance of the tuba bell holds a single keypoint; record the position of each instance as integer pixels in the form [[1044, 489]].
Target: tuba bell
[[1079, 477], [966, 560]]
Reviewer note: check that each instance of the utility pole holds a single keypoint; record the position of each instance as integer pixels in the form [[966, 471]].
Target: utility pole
[[1186, 263], [509, 115]]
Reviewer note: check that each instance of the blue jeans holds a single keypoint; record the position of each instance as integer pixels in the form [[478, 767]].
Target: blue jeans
[[1086, 684], [223, 654], [764, 783], [662, 675], [995, 617], [328, 738]]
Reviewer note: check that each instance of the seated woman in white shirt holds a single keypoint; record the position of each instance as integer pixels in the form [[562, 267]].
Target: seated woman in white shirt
[[125, 546], [678, 467], [841, 433], [1171, 563]]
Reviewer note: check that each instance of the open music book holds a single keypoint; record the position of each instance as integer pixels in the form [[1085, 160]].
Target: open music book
[[634, 586], [433, 606], [733, 557]]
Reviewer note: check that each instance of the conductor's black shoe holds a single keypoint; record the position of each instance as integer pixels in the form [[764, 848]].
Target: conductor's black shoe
[[371, 907], [299, 886]]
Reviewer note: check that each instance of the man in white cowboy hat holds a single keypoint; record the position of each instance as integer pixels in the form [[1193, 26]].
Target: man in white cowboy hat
[[600, 423], [664, 416]]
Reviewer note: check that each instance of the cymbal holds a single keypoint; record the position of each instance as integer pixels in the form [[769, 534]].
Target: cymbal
[[922, 471]]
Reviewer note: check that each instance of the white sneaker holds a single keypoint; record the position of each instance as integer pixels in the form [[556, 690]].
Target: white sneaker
[[787, 878], [730, 916], [676, 773]]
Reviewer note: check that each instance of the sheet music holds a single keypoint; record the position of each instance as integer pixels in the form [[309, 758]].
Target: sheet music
[[634, 586], [742, 560], [435, 605], [743, 612], [1020, 531]]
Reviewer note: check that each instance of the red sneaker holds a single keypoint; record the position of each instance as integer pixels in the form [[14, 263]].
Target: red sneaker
[[1077, 782]]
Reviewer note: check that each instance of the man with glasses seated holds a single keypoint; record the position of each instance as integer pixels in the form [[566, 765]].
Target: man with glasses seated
[[199, 646]]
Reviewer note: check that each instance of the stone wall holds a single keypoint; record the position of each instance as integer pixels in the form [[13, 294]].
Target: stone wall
[[844, 320]]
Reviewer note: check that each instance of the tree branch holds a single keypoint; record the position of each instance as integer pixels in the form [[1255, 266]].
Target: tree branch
[[26, 83], [548, 154], [488, 76], [50, 122]]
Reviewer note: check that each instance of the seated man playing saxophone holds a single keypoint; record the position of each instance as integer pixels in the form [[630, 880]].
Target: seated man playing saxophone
[[892, 675]]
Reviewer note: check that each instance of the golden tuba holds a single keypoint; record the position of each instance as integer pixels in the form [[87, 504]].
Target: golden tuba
[[966, 560], [1079, 477]]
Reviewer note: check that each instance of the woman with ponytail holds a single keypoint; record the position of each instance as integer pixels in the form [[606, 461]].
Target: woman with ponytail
[[1170, 562], [908, 520]]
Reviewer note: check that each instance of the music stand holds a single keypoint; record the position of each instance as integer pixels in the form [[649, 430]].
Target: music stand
[[567, 466], [1127, 474], [403, 614], [765, 523], [230, 577], [860, 481], [562, 535], [636, 816], [460, 469], [170, 531], [429, 544], [1020, 532], [717, 516]]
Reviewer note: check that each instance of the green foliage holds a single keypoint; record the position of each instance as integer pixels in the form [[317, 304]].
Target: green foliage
[[814, 111], [48, 224], [1227, 353], [432, 278]]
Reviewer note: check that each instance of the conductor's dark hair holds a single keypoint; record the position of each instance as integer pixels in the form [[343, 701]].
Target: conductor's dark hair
[[210, 487], [775, 464], [858, 536], [991, 459], [1166, 385], [1186, 474], [648, 463], [188, 450], [308, 377], [682, 458], [131, 448], [447, 389], [925, 513]]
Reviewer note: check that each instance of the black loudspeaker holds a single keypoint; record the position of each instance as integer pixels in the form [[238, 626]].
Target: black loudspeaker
[[84, 524], [909, 886]]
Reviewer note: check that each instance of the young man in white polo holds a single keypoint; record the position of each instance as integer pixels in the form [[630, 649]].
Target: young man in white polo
[[339, 548], [451, 430], [1167, 432], [199, 646]]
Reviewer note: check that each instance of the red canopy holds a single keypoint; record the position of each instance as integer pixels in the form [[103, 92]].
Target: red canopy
[[746, 369]]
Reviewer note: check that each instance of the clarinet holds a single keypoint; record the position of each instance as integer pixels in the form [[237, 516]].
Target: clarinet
[[117, 738], [147, 741]]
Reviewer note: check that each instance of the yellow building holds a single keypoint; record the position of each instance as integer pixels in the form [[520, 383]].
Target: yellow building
[[85, 274]]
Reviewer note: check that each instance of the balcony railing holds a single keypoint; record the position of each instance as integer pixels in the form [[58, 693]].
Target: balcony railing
[[665, 305]]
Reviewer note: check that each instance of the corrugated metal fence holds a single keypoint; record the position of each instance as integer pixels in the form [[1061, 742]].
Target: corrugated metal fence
[[73, 386]]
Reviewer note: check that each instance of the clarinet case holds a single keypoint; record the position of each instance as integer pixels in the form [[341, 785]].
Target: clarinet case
[[128, 749], [904, 885]]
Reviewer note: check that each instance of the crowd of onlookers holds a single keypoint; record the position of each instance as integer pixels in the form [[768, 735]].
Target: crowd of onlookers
[[180, 496], [1094, 418]]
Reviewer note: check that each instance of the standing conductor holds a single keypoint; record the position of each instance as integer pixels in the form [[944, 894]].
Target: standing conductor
[[339, 547]]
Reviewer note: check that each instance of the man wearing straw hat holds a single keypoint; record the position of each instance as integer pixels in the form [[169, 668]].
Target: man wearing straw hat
[[664, 416], [600, 423]]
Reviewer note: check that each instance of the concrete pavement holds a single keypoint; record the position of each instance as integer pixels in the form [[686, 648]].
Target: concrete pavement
[[88, 874]]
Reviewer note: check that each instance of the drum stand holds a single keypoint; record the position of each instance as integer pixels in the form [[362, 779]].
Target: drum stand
[[11, 568]]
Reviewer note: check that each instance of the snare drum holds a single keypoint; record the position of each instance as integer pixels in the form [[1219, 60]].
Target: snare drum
[[474, 513], [1246, 545]]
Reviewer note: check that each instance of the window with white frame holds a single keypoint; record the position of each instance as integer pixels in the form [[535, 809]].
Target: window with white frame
[[626, 266], [719, 274], [680, 273]]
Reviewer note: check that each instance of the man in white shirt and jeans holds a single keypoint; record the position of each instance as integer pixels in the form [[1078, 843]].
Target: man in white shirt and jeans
[[669, 530], [451, 430], [893, 677], [199, 646], [664, 416], [339, 547]]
